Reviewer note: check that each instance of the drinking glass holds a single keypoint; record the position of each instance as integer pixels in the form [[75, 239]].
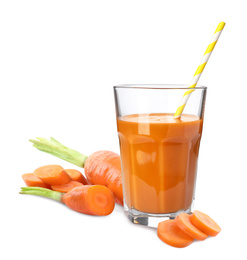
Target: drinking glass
[[159, 153]]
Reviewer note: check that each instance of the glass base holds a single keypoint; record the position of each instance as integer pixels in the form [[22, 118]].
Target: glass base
[[151, 220]]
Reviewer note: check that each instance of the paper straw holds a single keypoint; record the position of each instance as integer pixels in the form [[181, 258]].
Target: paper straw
[[200, 69]]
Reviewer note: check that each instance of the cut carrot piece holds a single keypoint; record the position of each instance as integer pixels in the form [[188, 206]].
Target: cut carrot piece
[[87, 199], [52, 174], [66, 187], [90, 199], [33, 181], [171, 234], [184, 223], [76, 175], [205, 223]]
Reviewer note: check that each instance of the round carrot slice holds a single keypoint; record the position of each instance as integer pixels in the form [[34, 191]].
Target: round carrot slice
[[184, 223], [33, 181], [169, 232], [206, 224], [52, 174], [76, 175]]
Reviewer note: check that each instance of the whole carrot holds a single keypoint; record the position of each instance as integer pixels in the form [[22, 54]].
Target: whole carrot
[[88, 199], [102, 167]]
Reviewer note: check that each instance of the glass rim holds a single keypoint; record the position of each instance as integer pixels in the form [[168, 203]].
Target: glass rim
[[157, 86]]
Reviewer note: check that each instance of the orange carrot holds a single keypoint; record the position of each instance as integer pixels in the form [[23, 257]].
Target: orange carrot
[[206, 224], [97, 200], [66, 187], [184, 223], [171, 234], [76, 175], [102, 167], [88, 199], [52, 174], [33, 181]]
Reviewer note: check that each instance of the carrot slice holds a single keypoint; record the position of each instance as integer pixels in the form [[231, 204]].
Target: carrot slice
[[205, 223], [171, 234], [66, 187], [33, 181], [52, 174], [76, 175], [184, 223]]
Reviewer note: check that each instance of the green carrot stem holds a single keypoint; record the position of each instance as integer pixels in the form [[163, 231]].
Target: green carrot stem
[[57, 149], [43, 192]]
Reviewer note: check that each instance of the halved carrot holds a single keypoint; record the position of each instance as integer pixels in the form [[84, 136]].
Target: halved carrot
[[184, 223], [52, 174], [171, 234], [33, 181], [206, 224], [88, 199], [66, 187], [76, 175]]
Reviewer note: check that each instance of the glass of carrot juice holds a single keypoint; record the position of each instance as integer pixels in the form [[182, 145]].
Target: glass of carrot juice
[[159, 153]]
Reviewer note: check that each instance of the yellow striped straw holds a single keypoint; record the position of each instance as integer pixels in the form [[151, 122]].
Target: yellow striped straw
[[200, 69]]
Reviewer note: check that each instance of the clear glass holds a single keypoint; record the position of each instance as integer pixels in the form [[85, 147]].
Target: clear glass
[[159, 153]]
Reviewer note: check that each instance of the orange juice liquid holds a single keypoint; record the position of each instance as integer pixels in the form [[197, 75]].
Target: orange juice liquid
[[159, 159]]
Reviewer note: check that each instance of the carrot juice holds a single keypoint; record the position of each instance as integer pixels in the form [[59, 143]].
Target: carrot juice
[[159, 159]]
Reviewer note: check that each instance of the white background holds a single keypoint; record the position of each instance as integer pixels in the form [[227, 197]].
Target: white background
[[58, 63]]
